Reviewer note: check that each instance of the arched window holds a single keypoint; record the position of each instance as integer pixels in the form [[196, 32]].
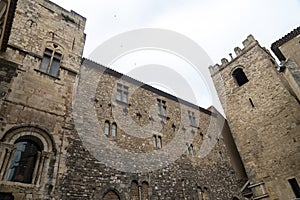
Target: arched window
[[106, 128], [154, 141], [114, 130], [134, 191], [23, 161], [27, 152], [145, 192], [240, 76], [191, 150], [206, 194], [199, 193], [111, 195], [159, 142]]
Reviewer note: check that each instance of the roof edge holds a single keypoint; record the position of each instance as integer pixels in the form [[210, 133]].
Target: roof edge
[[146, 86]]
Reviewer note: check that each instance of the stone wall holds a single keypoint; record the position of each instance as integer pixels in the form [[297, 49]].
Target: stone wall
[[90, 175]]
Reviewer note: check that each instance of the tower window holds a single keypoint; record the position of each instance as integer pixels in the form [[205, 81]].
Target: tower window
[[240, 76], [51, 61], [295, 187], [251, 102]]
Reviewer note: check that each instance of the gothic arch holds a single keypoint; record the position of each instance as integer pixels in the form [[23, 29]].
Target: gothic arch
[[110, 191]]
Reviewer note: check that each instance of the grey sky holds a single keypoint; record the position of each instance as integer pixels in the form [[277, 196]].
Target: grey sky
[[216, 25]]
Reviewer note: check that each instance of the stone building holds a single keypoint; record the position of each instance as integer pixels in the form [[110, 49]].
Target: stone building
[[73, 129], [261, 103], [44, 149]]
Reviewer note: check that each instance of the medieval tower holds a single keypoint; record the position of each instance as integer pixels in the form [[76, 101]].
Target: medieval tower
[[263, 114]]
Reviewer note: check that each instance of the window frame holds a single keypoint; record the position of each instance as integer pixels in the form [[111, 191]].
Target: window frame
[[42, 166], [162, 107], [122, 93], [51, 60], [107, 128], [192, 118], [157, 141], [114, 130], [14, 175]]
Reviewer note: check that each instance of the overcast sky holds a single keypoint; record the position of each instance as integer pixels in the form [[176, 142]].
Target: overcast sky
[[216, 25]]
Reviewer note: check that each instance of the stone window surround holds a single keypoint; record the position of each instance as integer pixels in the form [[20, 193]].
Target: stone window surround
[[109, 128], [140, 188], [42, 163], [157, 141], [162, 107], [122, 92], [242, 73], [190, 149], [55, 48], [192, 118]]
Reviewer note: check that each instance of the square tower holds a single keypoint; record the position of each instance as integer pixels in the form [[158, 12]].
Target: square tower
[[263, 115]]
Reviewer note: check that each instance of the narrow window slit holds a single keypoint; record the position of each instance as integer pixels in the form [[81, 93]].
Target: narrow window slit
[[251, 102]]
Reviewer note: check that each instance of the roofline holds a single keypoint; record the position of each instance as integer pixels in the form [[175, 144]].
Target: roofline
[[275, 46], [116, 74]]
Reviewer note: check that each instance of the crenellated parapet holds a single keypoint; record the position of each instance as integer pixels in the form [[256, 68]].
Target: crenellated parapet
[[248, 43]]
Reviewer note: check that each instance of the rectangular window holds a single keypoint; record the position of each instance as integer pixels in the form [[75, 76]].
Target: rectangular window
[[192, 118], [162, 108], [295, 187], [191, 150], [157, 142], [122, 93], [154, 141], [50, 62]]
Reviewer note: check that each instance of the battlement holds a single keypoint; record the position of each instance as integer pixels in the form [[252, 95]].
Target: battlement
[[56, 8], [248, 43]]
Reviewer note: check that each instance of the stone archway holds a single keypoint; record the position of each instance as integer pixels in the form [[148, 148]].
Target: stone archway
[[111, 195]]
